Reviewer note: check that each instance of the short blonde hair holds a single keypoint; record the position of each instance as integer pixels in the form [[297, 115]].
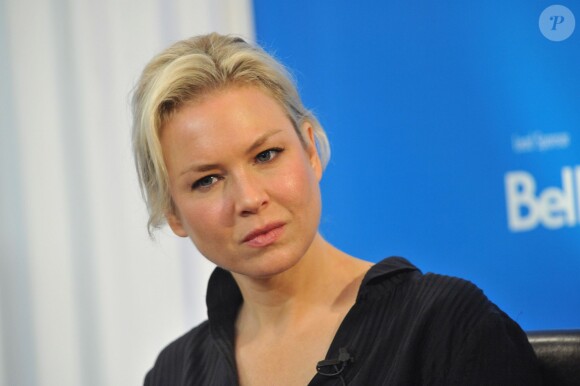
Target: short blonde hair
[[185, 72]]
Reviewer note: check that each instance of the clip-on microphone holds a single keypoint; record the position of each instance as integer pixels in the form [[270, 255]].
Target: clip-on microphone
[[334, 367]]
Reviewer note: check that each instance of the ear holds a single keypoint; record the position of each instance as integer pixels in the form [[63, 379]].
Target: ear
[[175, 223], [311, 150]]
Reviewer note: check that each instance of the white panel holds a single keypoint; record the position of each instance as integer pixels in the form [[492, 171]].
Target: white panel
[[3, 374], [240, 18], [140, 298], [44, 192]]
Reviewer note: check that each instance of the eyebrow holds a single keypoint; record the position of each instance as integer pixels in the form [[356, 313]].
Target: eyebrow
[[261, 140], [256, 144]]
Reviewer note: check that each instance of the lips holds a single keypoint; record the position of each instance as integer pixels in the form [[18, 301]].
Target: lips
[[264, 236]]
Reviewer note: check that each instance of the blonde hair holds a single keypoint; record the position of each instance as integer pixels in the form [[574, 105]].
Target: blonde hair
[[185, 72]]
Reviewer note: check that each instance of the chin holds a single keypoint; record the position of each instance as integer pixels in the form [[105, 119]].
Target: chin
[[266, 266]]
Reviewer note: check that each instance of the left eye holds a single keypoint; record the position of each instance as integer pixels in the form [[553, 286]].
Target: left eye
[[268, 155]]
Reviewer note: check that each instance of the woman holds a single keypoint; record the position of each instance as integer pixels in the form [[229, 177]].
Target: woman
[[228, 156]]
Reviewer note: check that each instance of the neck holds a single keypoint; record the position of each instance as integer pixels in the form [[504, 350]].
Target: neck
[[322, 281]]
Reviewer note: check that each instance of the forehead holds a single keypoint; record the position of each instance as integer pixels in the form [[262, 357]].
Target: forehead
[[225, 118]]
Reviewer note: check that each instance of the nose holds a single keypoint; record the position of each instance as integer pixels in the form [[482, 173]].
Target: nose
[[248, 194]]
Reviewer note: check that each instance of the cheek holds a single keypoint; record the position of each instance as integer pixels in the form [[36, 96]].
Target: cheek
[[299, 184], [203, 219]]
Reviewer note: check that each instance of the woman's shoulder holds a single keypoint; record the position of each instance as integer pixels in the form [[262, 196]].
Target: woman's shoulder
[[398, 272], [430, 296], [450, 293], [196, 336], [173, 359], [451, 324]]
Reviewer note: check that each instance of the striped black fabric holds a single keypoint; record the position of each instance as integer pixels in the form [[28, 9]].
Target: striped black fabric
[[405, 328]]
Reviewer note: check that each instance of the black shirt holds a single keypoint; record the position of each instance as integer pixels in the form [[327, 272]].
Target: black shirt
[[405, 328]]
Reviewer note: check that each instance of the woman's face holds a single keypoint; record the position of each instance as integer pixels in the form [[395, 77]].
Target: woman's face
[[244, 187]]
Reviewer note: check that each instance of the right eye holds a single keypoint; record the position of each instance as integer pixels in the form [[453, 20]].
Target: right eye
[[205, 182]]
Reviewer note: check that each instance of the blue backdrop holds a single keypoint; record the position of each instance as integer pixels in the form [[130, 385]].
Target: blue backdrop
[[455, 133]]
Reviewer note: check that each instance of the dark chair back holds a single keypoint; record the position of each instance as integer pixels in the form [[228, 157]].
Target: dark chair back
[[558, 352]]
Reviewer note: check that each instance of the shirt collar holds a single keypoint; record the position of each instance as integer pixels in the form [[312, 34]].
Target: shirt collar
[[224, 297]]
